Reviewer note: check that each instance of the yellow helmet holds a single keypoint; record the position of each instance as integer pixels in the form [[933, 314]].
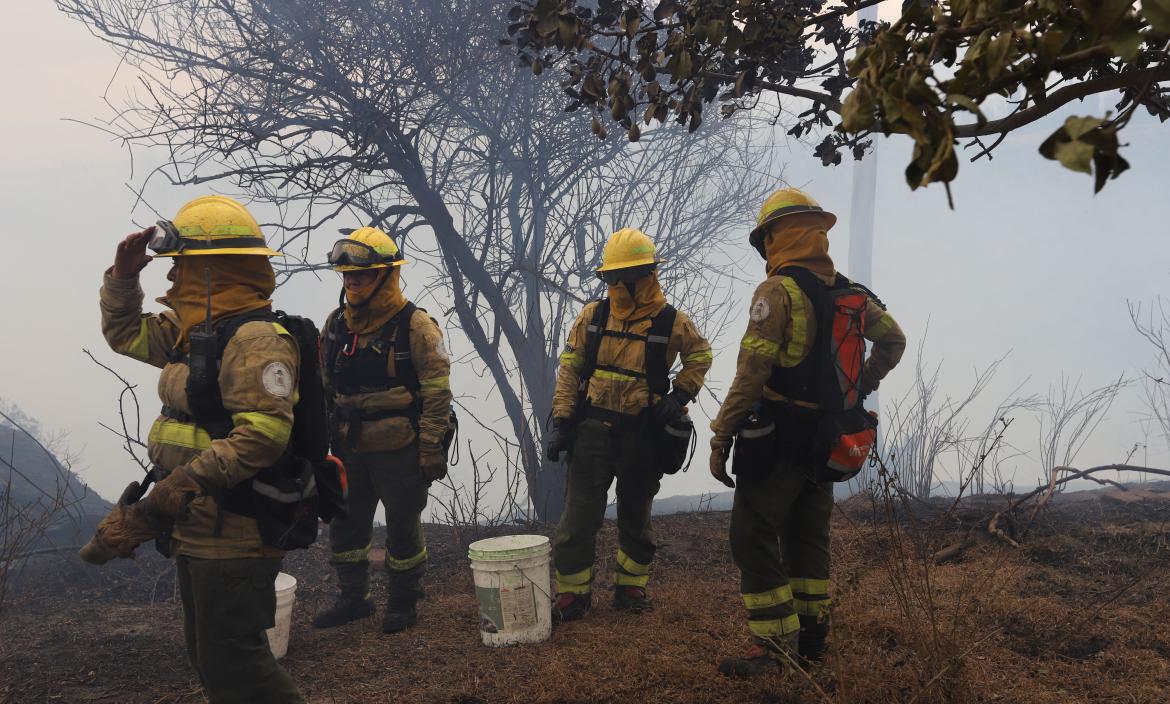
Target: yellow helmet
[[210, 225], [628, 248], [782, 203], [365, 248]]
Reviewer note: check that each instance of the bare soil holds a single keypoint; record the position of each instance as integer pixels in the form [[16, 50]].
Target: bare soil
[[1079, 613]]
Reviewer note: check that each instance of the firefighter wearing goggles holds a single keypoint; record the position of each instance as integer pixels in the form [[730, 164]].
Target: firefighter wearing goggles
[[387, 376], [783, 501], [613, 412], [226, 571]]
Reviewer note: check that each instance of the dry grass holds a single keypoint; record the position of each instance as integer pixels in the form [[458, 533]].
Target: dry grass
[[1078, 615]]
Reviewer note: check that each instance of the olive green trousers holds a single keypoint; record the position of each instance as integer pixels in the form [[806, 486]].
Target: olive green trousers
[[393, 478], [780, 542], [601, 454], [227, 606]]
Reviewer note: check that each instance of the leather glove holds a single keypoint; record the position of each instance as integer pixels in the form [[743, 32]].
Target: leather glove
[[671, 407], [558, 439], [432, 461], [719, 454], [122, 530], [170, 497]]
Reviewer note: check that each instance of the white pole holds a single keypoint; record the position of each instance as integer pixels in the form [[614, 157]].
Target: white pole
[[864, 198]]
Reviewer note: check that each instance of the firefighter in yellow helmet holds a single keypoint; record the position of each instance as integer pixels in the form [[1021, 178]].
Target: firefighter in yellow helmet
[[617, 416], [387, 375], [801, 370], [205, 470]]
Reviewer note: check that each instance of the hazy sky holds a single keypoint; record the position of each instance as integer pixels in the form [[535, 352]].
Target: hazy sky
[[1028, 262]]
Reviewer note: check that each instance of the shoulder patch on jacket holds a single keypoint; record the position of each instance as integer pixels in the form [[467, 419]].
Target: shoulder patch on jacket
[[277, 380], [761, 309]]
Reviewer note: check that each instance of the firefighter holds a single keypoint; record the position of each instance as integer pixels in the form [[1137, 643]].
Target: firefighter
[[612, 397], [225, 570], [387, 374], [780, 517]]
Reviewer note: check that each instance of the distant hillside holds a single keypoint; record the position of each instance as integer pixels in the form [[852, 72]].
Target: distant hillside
[[37, 478]]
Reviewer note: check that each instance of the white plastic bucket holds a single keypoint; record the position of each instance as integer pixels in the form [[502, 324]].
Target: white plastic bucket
[[286, 595], [512, 585]]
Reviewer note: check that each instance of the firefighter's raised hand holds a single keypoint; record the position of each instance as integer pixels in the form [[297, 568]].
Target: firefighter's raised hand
[[719, 466], [131, 256]]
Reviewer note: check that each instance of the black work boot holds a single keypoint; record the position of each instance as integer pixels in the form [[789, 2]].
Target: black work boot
[[761, 658], [352, 603], [571, 607], [813, 634], [633, 599], [400, 615]]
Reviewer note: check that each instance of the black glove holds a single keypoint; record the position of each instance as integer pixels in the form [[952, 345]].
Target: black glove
[[558, 439], [669, 408]]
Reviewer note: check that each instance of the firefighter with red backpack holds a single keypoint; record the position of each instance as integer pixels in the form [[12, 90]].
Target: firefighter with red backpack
[[619, 417], [387, 374], [795, 413]]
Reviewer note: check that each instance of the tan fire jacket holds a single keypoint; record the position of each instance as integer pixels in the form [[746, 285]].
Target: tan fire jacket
[[434, 375], [781, 331], [620, 392], [258, 384]]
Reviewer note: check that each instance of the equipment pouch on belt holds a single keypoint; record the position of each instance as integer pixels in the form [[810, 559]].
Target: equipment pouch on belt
[[843, 443], [673, 443], [286, 503], [754, 449]]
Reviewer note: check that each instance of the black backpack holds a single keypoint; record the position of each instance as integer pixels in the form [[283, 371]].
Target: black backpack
[[288, 498]]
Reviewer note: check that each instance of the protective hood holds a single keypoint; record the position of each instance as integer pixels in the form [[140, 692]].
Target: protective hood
[[239, 284], [647, 300], [800, 240], [371, 307]]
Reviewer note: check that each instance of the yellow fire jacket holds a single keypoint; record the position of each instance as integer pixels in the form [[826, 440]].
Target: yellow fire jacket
[[258, 385], [781, 331], [620, 392], [434, 374]]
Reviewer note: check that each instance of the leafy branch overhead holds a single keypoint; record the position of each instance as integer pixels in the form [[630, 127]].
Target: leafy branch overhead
[[930, 75]]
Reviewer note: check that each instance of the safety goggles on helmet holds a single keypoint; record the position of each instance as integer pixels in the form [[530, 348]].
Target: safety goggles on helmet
[[166, 238], [627, 275], [348, 252]]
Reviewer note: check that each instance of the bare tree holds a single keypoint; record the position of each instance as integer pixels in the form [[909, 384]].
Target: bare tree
[[924, 428], [1154, 326], [410, 116], [1068, 418]]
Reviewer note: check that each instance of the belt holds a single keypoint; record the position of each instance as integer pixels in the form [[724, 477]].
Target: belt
[[616, 419]]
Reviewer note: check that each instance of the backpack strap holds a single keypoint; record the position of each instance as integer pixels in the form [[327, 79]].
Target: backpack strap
[[404, 369], [594, 332], [335, 331], [800, 383], [204, 399], [657, 341]]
